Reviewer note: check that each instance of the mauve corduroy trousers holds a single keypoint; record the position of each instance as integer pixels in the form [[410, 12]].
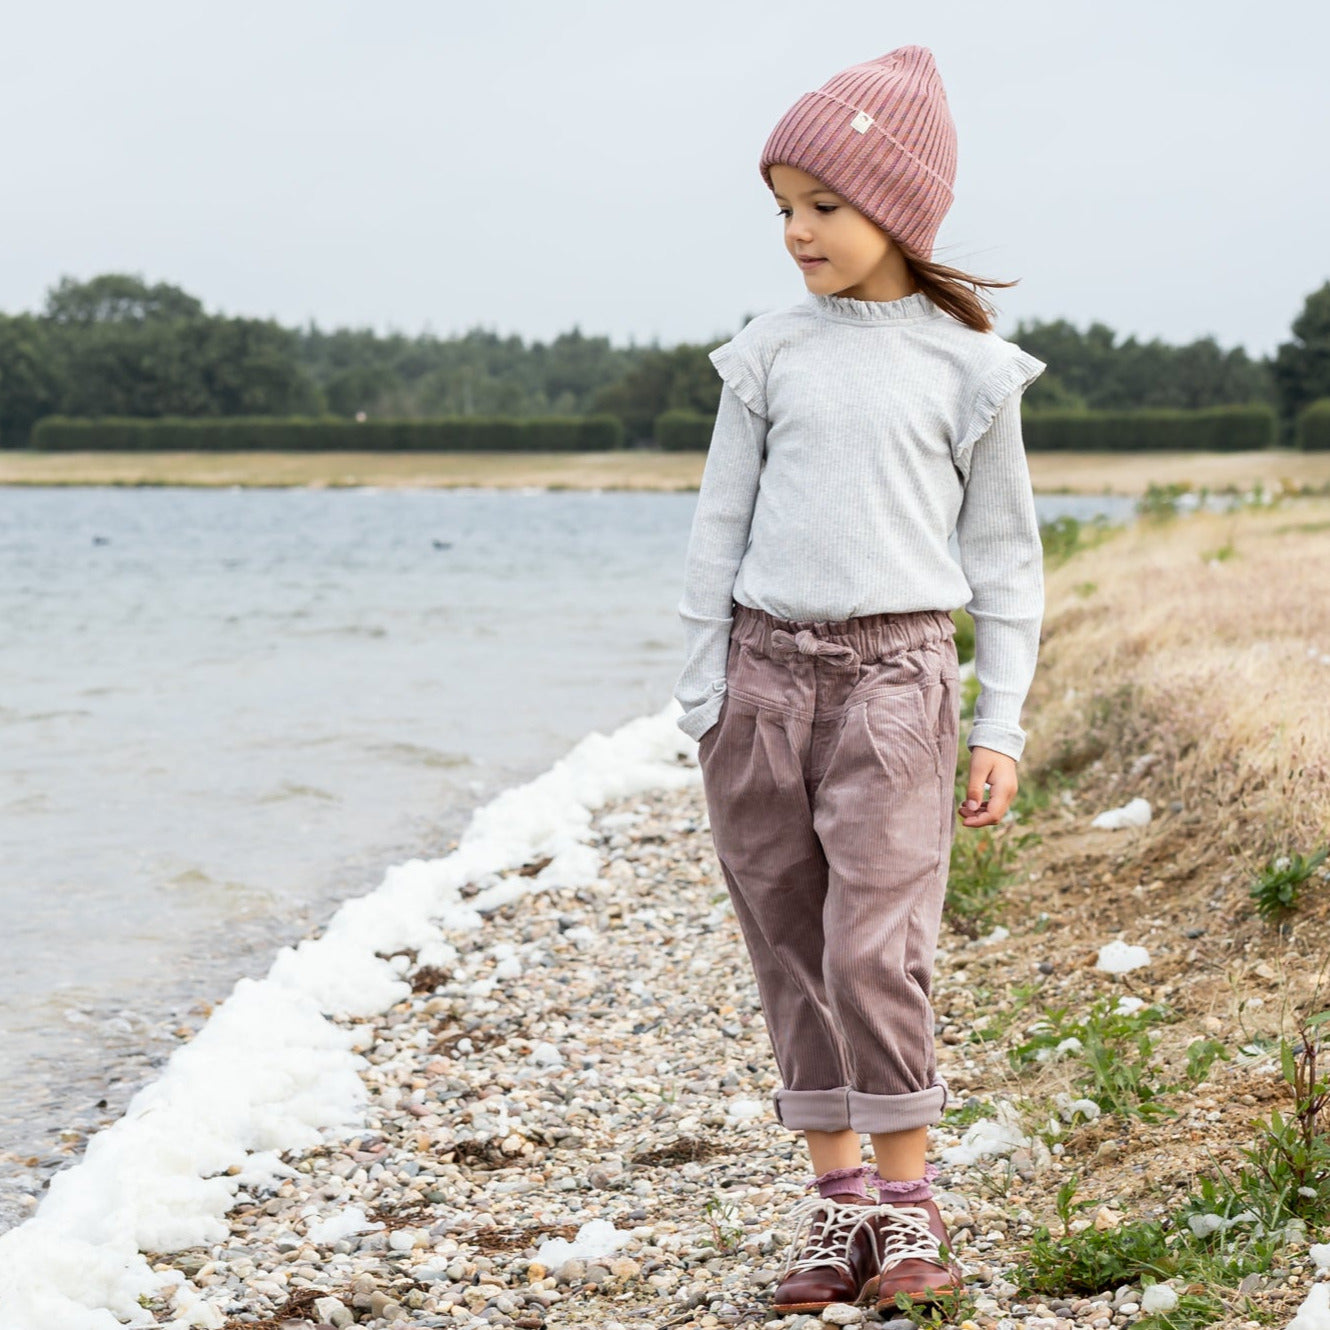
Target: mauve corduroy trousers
[[829, 781]]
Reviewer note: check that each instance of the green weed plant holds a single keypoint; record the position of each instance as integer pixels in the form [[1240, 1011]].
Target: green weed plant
[[1277, 889], [1115, 1050]]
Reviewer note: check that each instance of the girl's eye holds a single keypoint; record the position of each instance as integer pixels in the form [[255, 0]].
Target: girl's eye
[[821, 207]]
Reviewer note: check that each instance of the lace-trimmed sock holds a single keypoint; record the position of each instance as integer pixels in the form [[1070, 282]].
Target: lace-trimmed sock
[[844, 1182], [904, 1193]]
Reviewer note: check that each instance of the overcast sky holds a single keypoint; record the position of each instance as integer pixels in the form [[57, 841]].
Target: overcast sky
[[531, 165]]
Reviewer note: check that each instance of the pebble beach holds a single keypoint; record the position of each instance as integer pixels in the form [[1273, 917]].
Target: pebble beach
[[595, 1064]]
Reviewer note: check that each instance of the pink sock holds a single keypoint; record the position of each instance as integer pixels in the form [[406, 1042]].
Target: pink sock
[[904, 1193], [839, 1181]]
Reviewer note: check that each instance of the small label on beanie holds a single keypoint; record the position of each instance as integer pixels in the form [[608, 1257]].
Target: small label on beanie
[[861, 121]]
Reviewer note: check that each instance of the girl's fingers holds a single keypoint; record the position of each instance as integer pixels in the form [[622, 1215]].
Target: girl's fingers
[[998, 776], [982, 816], [1003, 792]]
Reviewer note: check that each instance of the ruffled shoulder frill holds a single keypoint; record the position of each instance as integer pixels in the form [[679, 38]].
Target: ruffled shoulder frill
[[735, 363], [1013, 369], [745, 360]]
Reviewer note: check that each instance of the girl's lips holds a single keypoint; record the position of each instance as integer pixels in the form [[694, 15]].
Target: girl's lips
[[810, 263]]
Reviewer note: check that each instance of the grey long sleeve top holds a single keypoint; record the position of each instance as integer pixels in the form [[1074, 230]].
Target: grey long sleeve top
[[853, 439]]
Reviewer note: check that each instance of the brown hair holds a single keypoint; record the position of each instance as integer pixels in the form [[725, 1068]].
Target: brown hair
[[950, 289]]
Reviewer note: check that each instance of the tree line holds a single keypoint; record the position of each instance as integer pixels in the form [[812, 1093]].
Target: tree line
[[117, 346]]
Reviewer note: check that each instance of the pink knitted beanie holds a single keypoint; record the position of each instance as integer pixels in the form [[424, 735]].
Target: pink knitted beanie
[[881, 135]]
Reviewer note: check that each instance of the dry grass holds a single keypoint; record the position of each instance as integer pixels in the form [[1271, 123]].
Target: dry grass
[[1133, 473], [1205, 641], [1073, 473]]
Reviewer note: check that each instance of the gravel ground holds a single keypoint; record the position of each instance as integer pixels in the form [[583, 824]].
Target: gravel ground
[[599, 1055]]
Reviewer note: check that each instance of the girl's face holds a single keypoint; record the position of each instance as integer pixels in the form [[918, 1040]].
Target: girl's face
[[838, 249]]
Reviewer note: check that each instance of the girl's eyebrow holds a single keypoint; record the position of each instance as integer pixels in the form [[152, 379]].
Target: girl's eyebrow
[[808, 193]]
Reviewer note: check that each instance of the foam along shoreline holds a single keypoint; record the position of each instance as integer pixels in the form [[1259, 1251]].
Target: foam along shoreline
[[270, 1071]]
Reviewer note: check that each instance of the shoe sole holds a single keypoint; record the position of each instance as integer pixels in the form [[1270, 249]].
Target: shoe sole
[[866, 1294], [938, 1294]]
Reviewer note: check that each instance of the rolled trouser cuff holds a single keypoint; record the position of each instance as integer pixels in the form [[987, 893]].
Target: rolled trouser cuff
[[896, 1112], [813, 1110]]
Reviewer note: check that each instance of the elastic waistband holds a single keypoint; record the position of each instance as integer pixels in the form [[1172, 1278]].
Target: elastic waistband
[[870, 636]]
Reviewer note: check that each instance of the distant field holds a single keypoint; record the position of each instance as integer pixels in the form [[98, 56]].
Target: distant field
[[1132, 473], [1074, 473]]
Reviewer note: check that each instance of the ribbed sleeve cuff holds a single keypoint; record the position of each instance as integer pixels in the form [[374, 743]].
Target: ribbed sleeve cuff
[[697, 721], [1000, 738]]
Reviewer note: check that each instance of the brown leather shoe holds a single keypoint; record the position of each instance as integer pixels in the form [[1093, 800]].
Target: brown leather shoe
[[834, 1261], [909, 1236]]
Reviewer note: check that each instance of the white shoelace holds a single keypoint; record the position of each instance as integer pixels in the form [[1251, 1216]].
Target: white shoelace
[[905, 1233], [831, 1246]]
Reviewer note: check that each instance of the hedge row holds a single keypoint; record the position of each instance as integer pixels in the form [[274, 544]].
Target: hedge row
[[1313, 430], [1214, 429], [329, 434], [1217, 429], [683, 431]]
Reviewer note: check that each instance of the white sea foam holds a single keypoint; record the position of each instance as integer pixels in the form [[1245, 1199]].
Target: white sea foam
[[596, 1238], [1135, 813], [1117, 957], [988, 1138], [340, 1224], [270, 1072], [1314, 1314]]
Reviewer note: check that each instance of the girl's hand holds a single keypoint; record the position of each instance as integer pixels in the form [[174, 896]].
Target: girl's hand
[[998, 771]]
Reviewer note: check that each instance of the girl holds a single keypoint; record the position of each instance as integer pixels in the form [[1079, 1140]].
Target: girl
[[857, 430]]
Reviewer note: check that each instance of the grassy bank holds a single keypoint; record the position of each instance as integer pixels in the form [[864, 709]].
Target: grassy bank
[[1183, 662], [1204, 641], [1072, 473]]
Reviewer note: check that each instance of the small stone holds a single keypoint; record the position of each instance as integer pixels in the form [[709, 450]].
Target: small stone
[[596, 1274], [571, 1271], [334, 1311], [841, 1313], [1023, 1162]]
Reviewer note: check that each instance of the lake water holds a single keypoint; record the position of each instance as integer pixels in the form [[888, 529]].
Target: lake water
[[222, 712]]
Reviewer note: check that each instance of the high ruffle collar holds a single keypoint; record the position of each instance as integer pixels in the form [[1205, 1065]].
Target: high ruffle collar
[[846, 309]]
